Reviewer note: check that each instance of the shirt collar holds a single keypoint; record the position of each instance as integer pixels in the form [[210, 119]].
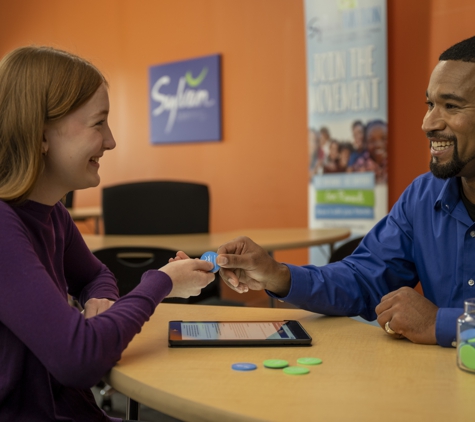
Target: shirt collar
[[450, 201], [448, 196]]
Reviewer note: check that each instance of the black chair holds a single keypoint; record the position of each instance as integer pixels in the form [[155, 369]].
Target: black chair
[[156, 207], [68, 202], [129, 263], [344, 250], [161, 207], [68, 199]]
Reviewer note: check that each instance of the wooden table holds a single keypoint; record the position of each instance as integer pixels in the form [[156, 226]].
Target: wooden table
[[84, 213], [197, 244], [366, 375]]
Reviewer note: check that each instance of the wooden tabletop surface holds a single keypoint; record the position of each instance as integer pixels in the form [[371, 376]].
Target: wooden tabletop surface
[[196, 244], [365, 376]]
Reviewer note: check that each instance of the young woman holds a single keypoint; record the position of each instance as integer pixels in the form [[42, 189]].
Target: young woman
[[53, 132]]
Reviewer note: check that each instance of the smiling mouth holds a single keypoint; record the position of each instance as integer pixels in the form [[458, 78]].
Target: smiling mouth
[[94, 159], [441, 145]]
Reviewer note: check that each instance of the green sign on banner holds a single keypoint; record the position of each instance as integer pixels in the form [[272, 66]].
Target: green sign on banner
[[356, 197]]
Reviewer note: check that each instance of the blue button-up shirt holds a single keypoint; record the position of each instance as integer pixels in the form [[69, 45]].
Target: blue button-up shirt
[[428, 236]]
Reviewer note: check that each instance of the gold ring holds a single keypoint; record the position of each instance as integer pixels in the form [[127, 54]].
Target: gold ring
[[388, 329]]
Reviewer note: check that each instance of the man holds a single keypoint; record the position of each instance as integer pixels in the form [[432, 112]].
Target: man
[[429, 235]]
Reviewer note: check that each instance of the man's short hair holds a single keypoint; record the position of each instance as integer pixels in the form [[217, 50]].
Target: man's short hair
[[463, 51]]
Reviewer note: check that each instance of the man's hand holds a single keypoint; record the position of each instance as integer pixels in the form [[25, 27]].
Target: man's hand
[[95, 307], [409, 314], [245, 265]]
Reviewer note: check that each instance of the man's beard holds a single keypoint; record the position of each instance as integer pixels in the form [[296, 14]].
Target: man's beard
[[452, 168]]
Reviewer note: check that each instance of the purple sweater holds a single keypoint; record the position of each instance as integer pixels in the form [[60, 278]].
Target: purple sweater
[[50, 355]]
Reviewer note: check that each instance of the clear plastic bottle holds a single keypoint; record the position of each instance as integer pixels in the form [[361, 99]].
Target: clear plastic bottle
[[466, 338]]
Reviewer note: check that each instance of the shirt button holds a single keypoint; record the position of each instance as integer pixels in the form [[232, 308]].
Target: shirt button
[[471, 282], [446, 206], [472, 233]]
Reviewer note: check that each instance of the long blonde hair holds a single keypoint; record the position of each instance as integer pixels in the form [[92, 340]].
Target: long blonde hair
[[37, 85]]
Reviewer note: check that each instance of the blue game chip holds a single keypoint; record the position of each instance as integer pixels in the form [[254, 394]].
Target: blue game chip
[[211, 257], [468, 335], [243, 366]]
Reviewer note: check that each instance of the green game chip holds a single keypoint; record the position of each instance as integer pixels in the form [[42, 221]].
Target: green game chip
[[309, 361], [467, 356], [296, 370], [275, 363]]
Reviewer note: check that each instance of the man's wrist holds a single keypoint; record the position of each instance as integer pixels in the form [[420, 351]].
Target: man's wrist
[[280, 283]]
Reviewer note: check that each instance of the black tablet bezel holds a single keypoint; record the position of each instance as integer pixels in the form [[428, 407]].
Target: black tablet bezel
[[302, 337]]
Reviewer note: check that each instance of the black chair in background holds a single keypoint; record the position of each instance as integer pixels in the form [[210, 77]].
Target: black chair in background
[[161, 207], [156, 207], [68, 202], [68, 199], [344, 250], [129, 263]]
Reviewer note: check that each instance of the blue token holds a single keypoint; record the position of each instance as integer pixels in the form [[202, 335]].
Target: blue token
[[468, 335], [243, 366], [211, 257]]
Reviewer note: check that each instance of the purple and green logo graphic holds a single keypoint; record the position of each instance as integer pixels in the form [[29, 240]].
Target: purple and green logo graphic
[[185, 101]]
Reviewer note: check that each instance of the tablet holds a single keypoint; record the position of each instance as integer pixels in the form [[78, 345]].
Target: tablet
[[237, 333]]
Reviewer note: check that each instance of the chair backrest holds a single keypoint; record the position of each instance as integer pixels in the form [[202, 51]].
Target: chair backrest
[[345, 250], [129, 263], [156, 207], [68, 199]]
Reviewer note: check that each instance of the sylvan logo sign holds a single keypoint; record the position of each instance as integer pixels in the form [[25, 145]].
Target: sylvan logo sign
[[185, 101]]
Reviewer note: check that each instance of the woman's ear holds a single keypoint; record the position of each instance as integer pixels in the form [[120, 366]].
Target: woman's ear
[[44, 144]]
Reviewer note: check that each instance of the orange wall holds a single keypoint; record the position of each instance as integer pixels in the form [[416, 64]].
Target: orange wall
[[452, 21], [408, 75], [258, 173], [419, 31]]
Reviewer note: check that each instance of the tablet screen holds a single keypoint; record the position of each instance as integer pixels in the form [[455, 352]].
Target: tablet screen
[[236, 333], [235, 330]]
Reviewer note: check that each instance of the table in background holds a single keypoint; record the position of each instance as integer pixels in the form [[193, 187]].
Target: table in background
[[84, 213], [366, 375], [197, 244]]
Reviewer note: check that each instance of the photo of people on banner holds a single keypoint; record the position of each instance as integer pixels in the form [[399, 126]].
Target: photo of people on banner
[[366, 152]]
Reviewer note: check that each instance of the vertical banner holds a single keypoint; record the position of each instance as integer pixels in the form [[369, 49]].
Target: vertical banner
[[347, 115]]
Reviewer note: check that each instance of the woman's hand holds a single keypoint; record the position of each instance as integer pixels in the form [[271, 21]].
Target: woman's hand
[[95, 307], [179, 256], [189, 276]]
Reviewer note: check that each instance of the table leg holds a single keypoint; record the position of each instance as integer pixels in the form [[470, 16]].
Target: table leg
[[271, 299], [132, 409], [96, 224]]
